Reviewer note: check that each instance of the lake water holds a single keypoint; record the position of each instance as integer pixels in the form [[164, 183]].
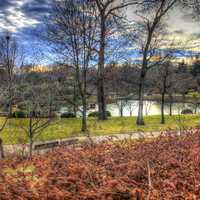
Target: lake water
[[130, 108]]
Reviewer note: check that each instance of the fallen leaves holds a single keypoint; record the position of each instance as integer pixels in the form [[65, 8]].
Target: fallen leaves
[[109, 171]]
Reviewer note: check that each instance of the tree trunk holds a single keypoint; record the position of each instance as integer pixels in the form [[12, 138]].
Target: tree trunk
[[10, 99], [140, 118], [100, 78], [30, 135], [10, 110], [9, 74], [164, 90], [84, 101], [30, 147], [195, 109], [74, 111], [170, 106], [183, 97], [101, 101], [2, 155], [84, 117], [50, 114], [74, 99], [121, 110], [162, 108], [130, 110]]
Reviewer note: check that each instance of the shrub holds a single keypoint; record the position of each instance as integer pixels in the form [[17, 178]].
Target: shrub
[[96, 114], [68, 115], [19, 114], [187, 111], [93, 114]]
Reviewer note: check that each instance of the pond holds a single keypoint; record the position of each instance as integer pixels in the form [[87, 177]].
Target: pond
[[130, 108]]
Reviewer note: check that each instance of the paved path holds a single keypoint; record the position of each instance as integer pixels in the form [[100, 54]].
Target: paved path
[[97, 139]]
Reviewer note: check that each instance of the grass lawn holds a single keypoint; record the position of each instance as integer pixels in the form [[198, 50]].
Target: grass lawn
[[64, 128]]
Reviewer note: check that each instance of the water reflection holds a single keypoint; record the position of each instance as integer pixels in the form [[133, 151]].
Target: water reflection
[[130, 108]]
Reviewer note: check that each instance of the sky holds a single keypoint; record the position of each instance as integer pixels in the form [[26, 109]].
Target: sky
[[24, 18]]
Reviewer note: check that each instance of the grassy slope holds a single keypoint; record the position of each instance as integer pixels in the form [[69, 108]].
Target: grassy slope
[[64, 128]]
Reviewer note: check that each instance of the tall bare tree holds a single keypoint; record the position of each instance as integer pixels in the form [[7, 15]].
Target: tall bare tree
[[10, 57], [151, 28], [108, 14], [72, 29]]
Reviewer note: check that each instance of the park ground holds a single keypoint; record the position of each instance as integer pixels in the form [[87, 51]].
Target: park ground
[[67, 128], [164, 168]]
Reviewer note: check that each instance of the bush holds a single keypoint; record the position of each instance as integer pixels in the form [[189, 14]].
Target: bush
[[96, 114], [19, 114], [187, 111], [68, 115]]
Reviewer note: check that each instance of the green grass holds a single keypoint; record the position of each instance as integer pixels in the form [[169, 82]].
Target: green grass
[[64, 128]]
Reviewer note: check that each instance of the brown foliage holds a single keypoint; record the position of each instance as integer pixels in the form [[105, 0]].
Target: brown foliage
[[109, 171]]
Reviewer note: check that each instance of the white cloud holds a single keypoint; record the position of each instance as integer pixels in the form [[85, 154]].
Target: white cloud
[[12, 18], [180, 19]]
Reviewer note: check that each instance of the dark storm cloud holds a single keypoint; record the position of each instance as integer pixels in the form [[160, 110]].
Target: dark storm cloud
[[36, 9], [25, 19], [5, 4]]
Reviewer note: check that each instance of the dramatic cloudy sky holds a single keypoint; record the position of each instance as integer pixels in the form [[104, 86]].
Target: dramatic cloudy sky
[[25, 17]]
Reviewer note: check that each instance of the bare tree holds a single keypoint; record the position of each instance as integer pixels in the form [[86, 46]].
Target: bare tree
[[147, 106], [151, 28], [185, 82], [3, 99], [67, 93], [108, 14], [10, 56], [121, 104], [195, 100], [72, 29], [170, 103], [36, 100], [131, 105], [120, 80], [163, 78]]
